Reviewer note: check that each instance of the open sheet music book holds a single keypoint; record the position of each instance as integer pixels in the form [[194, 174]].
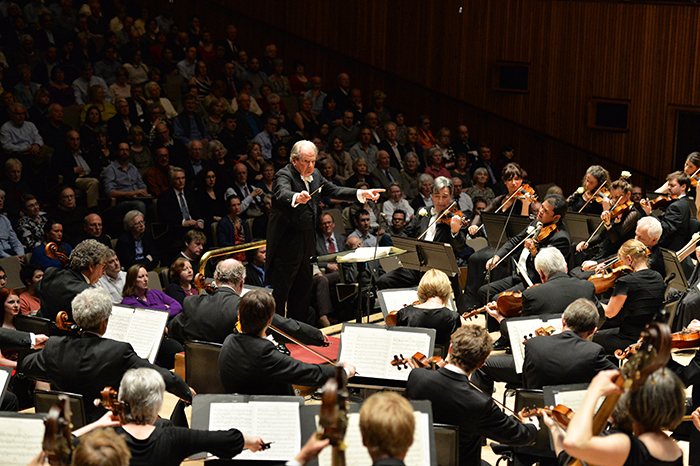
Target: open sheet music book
[[22, 436], [521, 327], [143, 328], [570, 396], [371, 348], [396, 299]]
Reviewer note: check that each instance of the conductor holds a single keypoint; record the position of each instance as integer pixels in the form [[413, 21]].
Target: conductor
[[291, 239]]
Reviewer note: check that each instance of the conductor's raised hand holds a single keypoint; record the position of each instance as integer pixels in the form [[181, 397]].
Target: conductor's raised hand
[[303, 197], [372, 194]]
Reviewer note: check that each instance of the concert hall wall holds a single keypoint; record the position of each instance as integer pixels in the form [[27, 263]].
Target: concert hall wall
[[431, 59]]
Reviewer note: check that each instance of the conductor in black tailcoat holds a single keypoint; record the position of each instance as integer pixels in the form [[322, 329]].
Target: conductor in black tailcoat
[[291, 240]]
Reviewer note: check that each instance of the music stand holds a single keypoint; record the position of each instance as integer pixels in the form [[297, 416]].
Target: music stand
[[673, 266], [425, 255], [494, 224], [578, 225]]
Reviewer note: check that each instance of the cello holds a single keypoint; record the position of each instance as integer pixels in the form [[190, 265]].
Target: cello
[[58, 440], [333, 418]]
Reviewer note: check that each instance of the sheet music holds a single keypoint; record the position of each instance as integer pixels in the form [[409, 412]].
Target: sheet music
[[22, 440], [397, 300], [519, 329], [142, 328], [276, 422], [573, 399], [356, 453], [364, 254], [371, 350], [4, 375]]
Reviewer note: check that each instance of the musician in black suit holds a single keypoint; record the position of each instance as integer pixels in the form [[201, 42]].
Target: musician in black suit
[[676, 221], [457, 402], [14, 339], [59, 286], [250, 364], [212, 317], [290, 233], [88, 363], [551, 213], [564, 358]]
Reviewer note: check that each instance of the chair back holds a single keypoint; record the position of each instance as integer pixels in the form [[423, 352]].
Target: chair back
[[202, 367], [45, 399], [446, 444], [528, 398], [154, 281], [11, 265], [34, 324]]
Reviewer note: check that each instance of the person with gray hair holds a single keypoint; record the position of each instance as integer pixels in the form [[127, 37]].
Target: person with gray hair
[[88, 363], [59, 286], [212, 317], [136, 244], [564, 358], [296, 194], [142, 390], [19, 137]]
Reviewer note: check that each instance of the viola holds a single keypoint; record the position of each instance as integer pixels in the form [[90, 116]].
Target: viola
[[562, 414], [541, 236], [419, 360], [333, 417], [510, 303], [605, 280], [58, 441], [541, 332]]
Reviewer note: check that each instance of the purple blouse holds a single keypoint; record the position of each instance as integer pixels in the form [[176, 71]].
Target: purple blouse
[[156, 300]]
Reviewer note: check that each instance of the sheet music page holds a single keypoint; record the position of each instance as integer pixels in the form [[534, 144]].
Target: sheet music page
[[145, 330], [397, 300], [519, 329], [22, 440], [118, 324], [276, 422], [371, 350], [364, 254], [573, 399], [4, 375], [356, 453]]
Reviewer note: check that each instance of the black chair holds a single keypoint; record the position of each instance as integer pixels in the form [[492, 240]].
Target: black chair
[[45, 399], [446, 444], [202, 367], [33, 324]]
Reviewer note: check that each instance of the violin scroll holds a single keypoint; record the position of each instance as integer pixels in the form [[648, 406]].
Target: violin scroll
[[333, 418], [58, 441]]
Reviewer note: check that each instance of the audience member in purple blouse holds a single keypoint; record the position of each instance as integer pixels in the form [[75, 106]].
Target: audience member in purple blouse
[[137, 294]]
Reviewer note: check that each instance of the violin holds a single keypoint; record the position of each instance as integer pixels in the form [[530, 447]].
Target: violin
[[525, 191], [605, 280], [541, 332], [475, 312], [603, 194], [541, 236], [621, 209], [392, 317], [333, 418], [453, 211], [562, 414], [58, 440], [660, 202], [510, 303], [110, 401], [686, 338], [419, 360]]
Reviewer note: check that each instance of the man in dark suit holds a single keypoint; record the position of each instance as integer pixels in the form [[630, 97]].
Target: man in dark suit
[[396, 151], [77, 167], [385, 174], [59, 286], [255, 269], [136, 234], [457, 402], [250, 364], [88, 363], [676, 221], [290, 233], [485, 161], [14, 339], [251, 200], [119, 125], [212, 317], [177, 207], [564, 358], [327, 242]]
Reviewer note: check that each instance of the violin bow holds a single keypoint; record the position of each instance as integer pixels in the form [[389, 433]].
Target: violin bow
[[509, 198], [593, 196], [437, 219], [603, 222], [302, 345]]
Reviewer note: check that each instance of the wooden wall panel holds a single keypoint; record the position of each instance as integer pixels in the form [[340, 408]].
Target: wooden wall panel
[[431, 59]]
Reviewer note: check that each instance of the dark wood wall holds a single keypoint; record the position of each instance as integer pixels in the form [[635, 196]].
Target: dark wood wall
[[430, 59]]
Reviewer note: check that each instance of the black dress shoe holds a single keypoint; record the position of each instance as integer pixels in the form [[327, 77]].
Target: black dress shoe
[[501, 344]]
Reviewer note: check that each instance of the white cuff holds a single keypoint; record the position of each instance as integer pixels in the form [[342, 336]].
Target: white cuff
[[294, 200], [292, 462], [360, 198], [32, 337]]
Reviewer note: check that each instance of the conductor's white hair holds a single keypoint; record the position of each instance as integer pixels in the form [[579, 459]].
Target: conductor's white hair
[[549, 261], [303, 144]]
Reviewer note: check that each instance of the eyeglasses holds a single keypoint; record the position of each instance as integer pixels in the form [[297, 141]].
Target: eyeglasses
[[138, 224], [3, 277]]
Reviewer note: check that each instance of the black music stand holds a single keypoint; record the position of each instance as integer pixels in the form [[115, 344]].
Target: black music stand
[[425, 255], [673, 266], [579, 225], [494, 224]]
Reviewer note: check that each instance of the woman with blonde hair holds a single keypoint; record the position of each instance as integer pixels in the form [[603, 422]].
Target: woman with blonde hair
[[636, 297]]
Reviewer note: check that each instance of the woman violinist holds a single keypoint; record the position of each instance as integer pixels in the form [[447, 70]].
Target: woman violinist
[[619, 222], [636, 297], [595, 177]]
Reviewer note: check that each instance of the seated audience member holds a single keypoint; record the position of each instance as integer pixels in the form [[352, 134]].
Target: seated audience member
[[114, 278], [30, 227], [10, 245], [456, 402], [189, 126], [54, 131], [434, 292], [15, 187], [255, 269], [249, 196], [397, 202], [136, 245], [181, 276], [93, 123], [260, 223], [30, 275], [88, 363], [86, 80], [267, 170], [384, 173], [58, 287], [398, 223], [97, 97], [177, 206], [464, 202], [19, 137], [156, 177], [119, 125], [362, 227], [365, 149], [232, 137], [193, 163], [92, 225], [9, 300], [136, 293], [176, 149], [70, 215], [273, 373], [60, 92], [210, 196], [152, 92], [435, 164], [480, 186], [247, 122], [53, 233], [77, 167], [121, 181], [142, 391], [194, 241], [231, 229]]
